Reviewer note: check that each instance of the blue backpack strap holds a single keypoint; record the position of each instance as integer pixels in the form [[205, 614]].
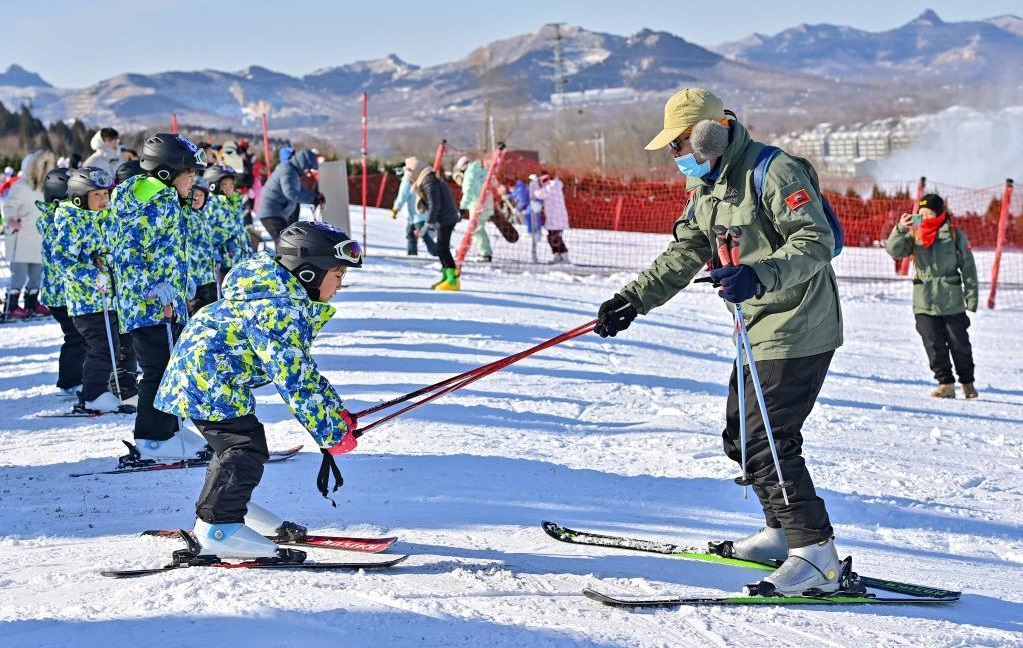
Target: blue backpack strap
[[760, 170]]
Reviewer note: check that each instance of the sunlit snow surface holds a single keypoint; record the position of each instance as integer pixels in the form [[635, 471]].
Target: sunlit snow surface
[[615, 435]]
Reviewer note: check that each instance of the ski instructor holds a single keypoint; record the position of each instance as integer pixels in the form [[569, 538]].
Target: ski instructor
[[787, 290]]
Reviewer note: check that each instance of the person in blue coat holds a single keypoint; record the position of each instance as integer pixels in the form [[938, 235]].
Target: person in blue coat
[[284, 192], [416, 226]]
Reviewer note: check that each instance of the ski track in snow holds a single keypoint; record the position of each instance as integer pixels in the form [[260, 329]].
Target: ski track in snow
[[615, 435]]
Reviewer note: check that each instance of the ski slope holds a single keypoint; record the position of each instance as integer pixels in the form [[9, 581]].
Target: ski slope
[[621, 436]]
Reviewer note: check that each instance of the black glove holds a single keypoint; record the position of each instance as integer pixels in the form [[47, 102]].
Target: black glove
[[614, 316], [738, 283]]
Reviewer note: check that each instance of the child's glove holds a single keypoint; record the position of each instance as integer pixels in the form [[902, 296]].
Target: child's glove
[[348, 441]]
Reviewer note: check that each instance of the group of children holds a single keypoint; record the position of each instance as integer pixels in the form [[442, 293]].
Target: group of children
[[152, 270], [126, 259]]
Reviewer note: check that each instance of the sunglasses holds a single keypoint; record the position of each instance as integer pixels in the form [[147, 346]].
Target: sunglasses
[[348, 251], [676, 144]]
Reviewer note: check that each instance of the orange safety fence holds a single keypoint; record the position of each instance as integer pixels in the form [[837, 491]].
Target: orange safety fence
[[620, 221]]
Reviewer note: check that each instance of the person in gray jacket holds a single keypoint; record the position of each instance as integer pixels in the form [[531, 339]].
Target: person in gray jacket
[[284, 192]]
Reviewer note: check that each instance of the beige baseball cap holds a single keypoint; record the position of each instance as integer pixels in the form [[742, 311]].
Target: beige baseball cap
[[685, 109]]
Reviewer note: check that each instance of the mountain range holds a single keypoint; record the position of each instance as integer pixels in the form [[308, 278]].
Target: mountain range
[[808, 71]]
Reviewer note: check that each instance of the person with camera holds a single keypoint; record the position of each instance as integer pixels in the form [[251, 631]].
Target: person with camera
[[944, 288]]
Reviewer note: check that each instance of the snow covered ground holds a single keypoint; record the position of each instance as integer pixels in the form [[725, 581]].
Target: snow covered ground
[[620, 435]]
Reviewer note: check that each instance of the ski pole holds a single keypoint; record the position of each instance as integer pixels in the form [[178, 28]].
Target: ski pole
[[104, 285], [168, 321], [513, 358], [729, 255], [725, 252], [461, 380], [216, 278]]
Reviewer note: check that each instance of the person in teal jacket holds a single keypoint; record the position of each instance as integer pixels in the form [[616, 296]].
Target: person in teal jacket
[[944, 288], [260, 332], [473, 191], [151, 271], [80, 246]]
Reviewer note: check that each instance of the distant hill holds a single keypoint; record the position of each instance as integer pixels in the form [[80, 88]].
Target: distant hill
[[924, 50]]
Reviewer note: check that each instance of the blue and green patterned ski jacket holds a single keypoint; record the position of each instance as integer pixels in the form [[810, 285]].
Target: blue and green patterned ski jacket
[[260, 332], [230, 240], [79, 236], [51, 282], [149, 241], [202, 254]]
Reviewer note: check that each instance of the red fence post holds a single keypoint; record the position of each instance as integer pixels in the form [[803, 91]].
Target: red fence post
[[903, 266], [488, 185], [174, 123], [439, 159], [617, 226], [1003, 222], [383, 185], [365, 116]]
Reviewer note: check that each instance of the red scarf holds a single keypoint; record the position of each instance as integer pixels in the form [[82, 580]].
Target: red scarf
[[929, 229]]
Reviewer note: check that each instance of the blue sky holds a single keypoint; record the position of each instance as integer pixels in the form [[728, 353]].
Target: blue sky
[[74, 43]]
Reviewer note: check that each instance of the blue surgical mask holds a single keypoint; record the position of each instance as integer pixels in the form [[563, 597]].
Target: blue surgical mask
[[688, 165]]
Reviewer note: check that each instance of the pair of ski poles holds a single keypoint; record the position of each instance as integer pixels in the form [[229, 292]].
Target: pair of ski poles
[[435, 391], [727, 245]]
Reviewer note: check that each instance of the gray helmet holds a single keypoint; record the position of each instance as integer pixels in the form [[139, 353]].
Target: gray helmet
[[82, 181]]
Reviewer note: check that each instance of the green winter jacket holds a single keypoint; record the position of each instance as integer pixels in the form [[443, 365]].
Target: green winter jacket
[[946, 274], [789, 249]]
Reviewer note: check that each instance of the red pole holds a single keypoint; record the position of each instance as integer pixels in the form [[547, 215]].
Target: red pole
[[439, 159], [174, 123], [903, 267], [266, 146], [383, 185], [495, 163], [365, 118], [1003, 223]]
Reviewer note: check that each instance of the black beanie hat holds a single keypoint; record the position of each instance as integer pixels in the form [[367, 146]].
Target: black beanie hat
[[934, 203]]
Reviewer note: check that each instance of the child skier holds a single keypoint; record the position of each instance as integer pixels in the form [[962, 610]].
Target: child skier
[[202, 256], [52, 290], [231, 241], [81, 228], [260, 332], [150, 266]]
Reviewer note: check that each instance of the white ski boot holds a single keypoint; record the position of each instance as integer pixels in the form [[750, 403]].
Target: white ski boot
[[71, 393], [232, 540], [765, 545], [270, 525], [814, 568], [105, 402], [144, 451]]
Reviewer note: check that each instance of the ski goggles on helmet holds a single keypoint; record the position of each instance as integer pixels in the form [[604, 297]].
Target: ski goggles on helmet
[[101, 179], [198, 154], [349, 251]]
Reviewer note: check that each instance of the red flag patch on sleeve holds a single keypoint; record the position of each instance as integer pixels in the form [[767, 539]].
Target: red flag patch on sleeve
[[798, 199]]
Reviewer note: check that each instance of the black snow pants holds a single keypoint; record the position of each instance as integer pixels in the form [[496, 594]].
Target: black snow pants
[[235, 470], [790, 388], [945, 335], [72, 350], [153, 352]]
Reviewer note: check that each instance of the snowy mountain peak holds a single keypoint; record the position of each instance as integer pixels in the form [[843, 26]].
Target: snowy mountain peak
[[19, 77], [1008, 22], [928, 18]]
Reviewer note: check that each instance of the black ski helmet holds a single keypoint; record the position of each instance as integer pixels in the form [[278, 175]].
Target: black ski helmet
[[165, 155], [82, 181], [218, 172], [127, 170], [55, 185], [309, 250]]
